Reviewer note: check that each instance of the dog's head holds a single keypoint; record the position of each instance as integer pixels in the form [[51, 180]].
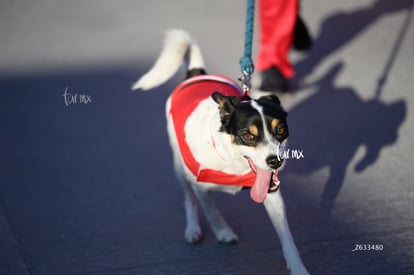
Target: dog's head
[[259, 131]]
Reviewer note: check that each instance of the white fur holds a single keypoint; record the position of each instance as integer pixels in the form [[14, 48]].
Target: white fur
[[209, 146], [177, 45], [215, 150]]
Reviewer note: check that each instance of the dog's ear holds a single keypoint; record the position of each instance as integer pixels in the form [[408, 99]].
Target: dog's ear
[[274, 99], [227, 105], [226, 102]]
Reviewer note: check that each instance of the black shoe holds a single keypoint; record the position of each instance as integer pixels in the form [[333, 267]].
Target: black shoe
[[302, 40], [274, 81]]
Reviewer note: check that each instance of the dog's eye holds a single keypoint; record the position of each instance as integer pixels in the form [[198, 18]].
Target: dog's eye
[[281, 130], [248, 137]]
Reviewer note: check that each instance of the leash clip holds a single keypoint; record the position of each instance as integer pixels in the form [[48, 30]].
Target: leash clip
[[245, 83]]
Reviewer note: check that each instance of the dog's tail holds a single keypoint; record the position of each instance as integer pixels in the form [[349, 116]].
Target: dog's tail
[[178, 47]]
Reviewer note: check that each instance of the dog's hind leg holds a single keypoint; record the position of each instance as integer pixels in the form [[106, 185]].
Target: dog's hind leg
[[193, 231], [221, 229], [275, 208]]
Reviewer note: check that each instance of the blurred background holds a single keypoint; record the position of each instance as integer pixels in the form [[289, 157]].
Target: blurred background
[[87, 185]]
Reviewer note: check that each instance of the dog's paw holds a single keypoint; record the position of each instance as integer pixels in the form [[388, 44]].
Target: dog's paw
[[298, 269], [227, 236], [193, 234]]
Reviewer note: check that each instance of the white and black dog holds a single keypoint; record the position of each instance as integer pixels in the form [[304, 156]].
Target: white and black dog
[[222, 140]]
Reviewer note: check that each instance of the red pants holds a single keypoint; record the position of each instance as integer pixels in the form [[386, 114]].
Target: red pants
[[277, 21]]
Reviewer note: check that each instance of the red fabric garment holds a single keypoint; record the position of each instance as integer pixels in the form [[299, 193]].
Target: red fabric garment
[[277, 21], [184, 99]]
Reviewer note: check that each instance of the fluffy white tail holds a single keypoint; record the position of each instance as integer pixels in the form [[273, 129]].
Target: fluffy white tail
[[178, 46]]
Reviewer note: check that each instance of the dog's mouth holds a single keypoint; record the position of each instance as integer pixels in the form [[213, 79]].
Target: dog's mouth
[[266, 182]]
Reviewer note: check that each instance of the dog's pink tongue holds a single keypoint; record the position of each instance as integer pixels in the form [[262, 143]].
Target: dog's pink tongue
[[260, 188]]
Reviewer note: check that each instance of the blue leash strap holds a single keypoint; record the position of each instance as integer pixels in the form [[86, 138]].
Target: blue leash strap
[[246, 62]]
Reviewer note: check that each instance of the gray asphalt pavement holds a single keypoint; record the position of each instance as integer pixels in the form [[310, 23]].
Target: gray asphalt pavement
[[86, 182]]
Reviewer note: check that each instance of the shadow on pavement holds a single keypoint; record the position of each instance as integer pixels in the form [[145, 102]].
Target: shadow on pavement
[[341, 28], [332, 124], [78, 180]]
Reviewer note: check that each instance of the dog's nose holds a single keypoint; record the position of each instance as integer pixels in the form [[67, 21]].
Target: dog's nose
[[274, 162]]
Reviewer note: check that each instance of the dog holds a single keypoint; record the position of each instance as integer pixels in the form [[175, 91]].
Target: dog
[[222, 140]]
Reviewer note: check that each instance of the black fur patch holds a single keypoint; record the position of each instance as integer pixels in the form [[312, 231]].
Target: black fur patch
[[195, 72], [241, 121], [227, 105], [272, 109]]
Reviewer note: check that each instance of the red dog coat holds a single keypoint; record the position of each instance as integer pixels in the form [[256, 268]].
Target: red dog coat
[[184, 99]]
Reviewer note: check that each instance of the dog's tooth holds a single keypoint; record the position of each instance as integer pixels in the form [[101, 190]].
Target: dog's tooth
[[274, 186], [277, 184]]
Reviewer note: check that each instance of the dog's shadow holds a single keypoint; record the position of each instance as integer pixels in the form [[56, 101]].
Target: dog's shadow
[[332, 124]]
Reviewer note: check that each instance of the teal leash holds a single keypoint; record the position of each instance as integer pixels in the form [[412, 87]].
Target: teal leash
[[246, 62]]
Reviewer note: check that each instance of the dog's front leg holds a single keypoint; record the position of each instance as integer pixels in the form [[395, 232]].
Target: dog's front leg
[[221, 229], [275, 208]]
